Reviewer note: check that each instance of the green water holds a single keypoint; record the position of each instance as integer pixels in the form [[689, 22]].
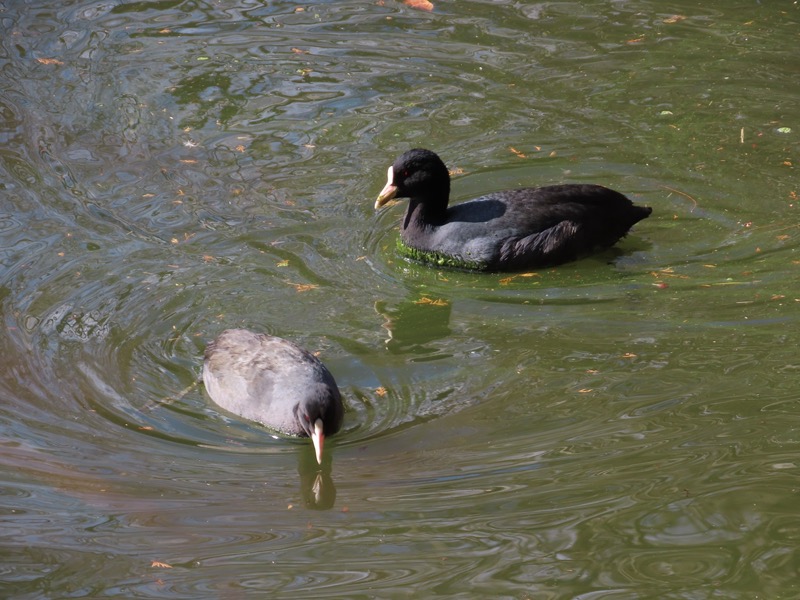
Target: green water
[[621, 427]]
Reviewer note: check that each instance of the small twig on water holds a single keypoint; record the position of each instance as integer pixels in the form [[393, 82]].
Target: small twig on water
[[684, 194]]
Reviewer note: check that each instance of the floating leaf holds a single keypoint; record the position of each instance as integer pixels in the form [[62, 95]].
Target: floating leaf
[[784, 130], [49, 61], [160, 565], [419, 4], [433, 302], [507, 280], [668, 272], [517, 152]]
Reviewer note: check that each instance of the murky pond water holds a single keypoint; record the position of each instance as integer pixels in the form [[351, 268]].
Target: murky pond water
[[621, 427]]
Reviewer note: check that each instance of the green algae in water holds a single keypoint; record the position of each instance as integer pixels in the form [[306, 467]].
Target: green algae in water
[[437, 258]]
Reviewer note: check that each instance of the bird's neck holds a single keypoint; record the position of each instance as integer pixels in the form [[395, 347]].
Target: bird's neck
[[427, 211], [422, 215]]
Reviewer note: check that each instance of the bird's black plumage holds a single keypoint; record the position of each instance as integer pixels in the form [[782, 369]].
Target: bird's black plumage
[[509, 230], [274, 382]]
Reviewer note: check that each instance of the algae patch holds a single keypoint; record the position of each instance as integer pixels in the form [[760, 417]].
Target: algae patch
[[437, 258]]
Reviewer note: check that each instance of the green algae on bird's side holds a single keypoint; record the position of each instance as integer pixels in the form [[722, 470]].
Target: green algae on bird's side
[[437, 258]]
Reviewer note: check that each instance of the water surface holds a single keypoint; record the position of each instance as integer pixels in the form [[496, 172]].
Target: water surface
[[621, 427]]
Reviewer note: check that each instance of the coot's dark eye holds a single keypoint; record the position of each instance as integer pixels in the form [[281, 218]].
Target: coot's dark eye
[[405, 173]]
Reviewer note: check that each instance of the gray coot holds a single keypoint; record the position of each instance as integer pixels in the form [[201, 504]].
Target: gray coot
[[502, 231], [274, 382]]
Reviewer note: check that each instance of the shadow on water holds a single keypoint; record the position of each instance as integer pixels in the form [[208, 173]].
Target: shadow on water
[[412, 326]]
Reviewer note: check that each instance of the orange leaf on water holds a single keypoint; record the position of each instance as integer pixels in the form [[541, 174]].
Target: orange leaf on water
[[419, 4], [432, 301]]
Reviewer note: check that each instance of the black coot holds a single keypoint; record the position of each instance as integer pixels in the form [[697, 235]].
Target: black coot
[[509, 230], [274, 382]]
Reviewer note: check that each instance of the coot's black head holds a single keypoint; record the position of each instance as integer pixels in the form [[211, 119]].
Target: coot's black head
[[320, 414], [418, 174]]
